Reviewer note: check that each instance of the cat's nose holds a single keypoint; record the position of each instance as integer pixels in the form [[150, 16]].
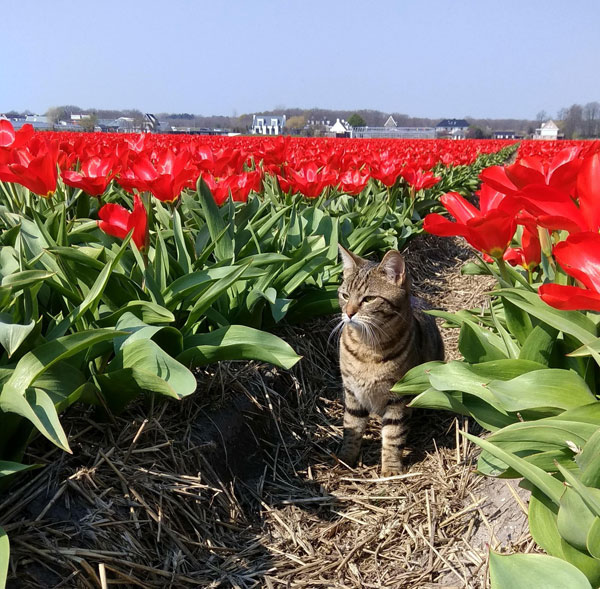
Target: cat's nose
[[351, 310]]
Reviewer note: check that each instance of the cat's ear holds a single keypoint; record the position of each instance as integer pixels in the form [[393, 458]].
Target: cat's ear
[[393, 267], [351, 261]]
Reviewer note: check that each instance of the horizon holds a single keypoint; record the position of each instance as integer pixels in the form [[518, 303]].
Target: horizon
[[434, 60], [94, 110]]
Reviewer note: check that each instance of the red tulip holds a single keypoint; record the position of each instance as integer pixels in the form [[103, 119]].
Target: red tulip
[[237, 186], [588, 190], [489, 231], [94, 176], [529, 254], [117, 221], [354, 181], [165, 178], [34, 167], [309, 179], [9, 139], [418, 178], [579, 256], [386, 172]]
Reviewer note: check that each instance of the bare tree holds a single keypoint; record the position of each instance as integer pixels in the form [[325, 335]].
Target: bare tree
[[591, 119], [573, 122]]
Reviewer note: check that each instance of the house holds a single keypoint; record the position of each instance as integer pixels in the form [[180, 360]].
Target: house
[[507, 135], [548, 130], [340, 129], [107, 125], [267, 124], [452, 128], [38, 122], [390, 122]]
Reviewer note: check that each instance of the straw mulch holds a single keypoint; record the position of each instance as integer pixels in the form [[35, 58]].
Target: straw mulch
[[238, 486]]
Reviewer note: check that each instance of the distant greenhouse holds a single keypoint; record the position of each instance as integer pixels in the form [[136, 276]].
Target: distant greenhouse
[[391, 132]]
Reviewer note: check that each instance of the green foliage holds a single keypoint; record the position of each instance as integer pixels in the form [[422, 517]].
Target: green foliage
[[523, 571], [530, 376], [84, 317], [355, 120]]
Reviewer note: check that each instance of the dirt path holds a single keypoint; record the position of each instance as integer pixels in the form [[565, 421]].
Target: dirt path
[[238, 486]]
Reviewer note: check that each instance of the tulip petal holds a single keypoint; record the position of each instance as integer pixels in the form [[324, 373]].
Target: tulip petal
[[569, 298], [579, 255], [460, 208]]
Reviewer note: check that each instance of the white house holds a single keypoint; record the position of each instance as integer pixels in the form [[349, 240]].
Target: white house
[[453, 128], [548, 131], [340, 128], [267, 124]]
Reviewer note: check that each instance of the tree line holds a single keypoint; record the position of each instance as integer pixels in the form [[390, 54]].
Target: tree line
[[576, 121]]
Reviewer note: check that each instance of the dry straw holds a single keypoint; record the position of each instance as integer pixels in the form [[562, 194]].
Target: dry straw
[[239, 486]]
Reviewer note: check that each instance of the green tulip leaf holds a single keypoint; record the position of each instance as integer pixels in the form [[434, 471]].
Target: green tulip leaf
[[236, 342], [152, 369], [544, 530], [4, 557], [572, 322], [588, 461], [593, 539], [574, 519], [12, 335], [542, 480], [555, 388], [524, 571]]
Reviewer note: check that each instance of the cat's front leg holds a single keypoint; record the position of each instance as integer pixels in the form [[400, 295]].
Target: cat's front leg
[[355, 422], [393, 436]]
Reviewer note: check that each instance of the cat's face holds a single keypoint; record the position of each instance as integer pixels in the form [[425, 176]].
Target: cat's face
[[373, 296]]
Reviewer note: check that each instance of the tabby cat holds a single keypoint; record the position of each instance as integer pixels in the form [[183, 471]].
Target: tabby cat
[[384, 334]]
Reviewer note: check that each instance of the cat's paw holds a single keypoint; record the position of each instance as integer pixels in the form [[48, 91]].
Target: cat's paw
[[347, 457], [391, 471]]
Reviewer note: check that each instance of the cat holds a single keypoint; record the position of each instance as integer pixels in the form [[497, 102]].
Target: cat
[[384, 334]]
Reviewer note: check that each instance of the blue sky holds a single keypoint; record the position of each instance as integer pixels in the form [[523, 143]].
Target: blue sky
[[429, 58]]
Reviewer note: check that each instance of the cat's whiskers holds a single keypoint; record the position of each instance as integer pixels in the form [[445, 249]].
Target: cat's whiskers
[[336, 332], [370, 329]]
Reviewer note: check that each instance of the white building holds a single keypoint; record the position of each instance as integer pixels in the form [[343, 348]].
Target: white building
[[452, 128], [548, 131], [340, 128], [267, 124]]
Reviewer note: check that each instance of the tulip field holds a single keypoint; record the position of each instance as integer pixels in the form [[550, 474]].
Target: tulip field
[[128, 262]]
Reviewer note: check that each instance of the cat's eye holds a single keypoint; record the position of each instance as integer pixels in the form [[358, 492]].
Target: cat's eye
[[368, 299], [344, 296]]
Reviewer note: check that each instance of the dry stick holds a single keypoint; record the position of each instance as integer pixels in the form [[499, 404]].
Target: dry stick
[[442, 558], [468, 509], [167, 529], [517, 498], [355, 550], [125, 487], [135, 439], [396, 477], [126, 577], [102, 573], [457, 437], [78, 554], [430, 528]]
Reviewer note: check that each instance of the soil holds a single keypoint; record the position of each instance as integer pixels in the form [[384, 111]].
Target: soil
[[238, 485]]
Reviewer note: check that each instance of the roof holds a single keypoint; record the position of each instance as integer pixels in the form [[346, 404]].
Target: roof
[[338, 127], [390, 122], [549, 125], [280, 118], [460, 123]]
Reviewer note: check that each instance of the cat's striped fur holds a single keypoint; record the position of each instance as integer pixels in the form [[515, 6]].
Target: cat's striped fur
[[384, 334]]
